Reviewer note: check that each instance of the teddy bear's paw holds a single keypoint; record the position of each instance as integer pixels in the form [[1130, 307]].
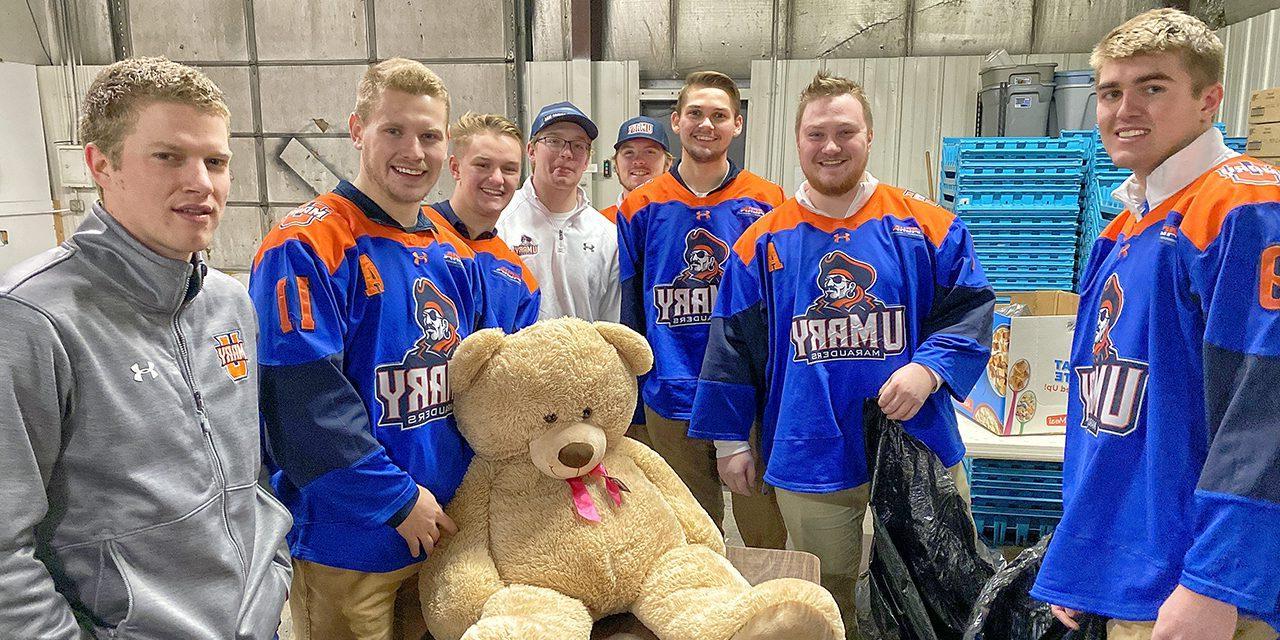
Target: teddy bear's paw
[[509, 628], [787, 621]]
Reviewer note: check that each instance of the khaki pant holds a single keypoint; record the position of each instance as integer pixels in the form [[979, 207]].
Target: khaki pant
[[694, 461], [1247, 629], [640, 433], [829, 525], [328, 603]]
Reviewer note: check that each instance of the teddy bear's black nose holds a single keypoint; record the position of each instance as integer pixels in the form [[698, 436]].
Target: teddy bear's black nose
[[576, 455]]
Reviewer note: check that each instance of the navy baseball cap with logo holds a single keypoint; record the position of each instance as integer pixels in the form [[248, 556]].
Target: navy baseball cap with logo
[[563, 112], [642, 127]]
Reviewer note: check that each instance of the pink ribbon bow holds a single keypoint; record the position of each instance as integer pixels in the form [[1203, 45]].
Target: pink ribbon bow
[[582, 502]]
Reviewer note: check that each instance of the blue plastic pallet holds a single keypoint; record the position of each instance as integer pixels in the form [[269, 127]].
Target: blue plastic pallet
[[1010, 228], [1018, 200], [1012, 531], [1063, 265], [1015, 172], [1019, 467], [1016, 145]]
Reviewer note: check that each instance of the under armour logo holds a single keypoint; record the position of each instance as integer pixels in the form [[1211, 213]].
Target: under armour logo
[[587, 246], [704, 214], [419, 257], [138, 371], [841, 237]]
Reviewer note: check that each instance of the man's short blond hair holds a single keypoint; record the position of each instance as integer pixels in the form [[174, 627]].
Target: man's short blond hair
[[713, 80], [401, 74], [825, 85], [1165, 30], [122, 89], [472, 124]]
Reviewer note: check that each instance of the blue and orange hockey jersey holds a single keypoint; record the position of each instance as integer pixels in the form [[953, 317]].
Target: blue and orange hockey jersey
[[511, 291], [1172, 471], [359, 318], [672, 246], [815, 314]]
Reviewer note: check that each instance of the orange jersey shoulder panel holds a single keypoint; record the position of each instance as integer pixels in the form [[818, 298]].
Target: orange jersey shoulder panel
[[1205, 203], [325, 224], [663, 188], [750, 185], [611, 213], [932, 218], [787, 215], [1119, 225], [496, 247]]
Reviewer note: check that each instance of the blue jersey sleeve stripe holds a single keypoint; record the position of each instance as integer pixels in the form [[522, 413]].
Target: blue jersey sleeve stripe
[[1242, 408], [315, 426], [314, 419], [1233, 557], [957, 330], [722, 411], [631, 271]]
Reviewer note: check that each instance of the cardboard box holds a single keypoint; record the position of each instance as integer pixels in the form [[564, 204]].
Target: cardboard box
[[1047, 303], [1264, 140], [1024, 389], [1264, 106]]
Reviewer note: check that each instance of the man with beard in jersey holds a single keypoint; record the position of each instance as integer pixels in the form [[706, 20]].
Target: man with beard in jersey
[[832, 283]]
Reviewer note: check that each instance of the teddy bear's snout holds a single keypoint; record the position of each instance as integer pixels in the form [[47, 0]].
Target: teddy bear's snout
[[576, 455], [569, 451]]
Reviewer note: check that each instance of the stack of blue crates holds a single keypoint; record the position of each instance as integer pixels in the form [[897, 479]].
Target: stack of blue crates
[[1015, 502], [1020, 198], [1098, 208]]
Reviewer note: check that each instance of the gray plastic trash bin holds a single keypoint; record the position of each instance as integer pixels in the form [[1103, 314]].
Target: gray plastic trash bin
[[1024, 110], [1075, 101]]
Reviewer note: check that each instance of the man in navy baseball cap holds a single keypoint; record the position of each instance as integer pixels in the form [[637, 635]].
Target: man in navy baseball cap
[[563, 112], [640, 154]]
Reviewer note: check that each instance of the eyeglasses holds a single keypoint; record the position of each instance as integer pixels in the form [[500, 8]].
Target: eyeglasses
[[577, 147]]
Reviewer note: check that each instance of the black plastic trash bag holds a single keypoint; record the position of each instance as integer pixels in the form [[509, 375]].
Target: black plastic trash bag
[[926, 566], [1006, 611]]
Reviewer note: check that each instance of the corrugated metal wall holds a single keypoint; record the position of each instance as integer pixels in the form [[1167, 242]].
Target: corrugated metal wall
[[915, 102], [673, 37], [1253, 62]]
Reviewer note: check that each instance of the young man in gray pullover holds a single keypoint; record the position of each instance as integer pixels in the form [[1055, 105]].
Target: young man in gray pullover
[[129, 447]]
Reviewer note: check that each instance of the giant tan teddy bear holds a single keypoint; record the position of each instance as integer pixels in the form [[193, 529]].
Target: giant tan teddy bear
[[562, 520]]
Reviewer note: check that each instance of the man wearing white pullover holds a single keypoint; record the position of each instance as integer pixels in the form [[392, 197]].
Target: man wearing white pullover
[[571, 248]]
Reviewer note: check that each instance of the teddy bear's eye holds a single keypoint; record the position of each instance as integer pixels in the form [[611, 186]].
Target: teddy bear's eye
[[550, 417], [586, 413]]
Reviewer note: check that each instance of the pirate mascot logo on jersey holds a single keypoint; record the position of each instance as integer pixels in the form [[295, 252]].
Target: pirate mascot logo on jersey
[[415, 390], [690, 298], [846, 321], [1112, 387]]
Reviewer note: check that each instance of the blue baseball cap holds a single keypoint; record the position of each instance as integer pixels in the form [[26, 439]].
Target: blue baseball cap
[[642, 127], [563, 112]]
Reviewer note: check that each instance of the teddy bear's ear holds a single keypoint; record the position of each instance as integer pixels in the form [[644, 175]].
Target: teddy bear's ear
[[472, 355], [632, 346]]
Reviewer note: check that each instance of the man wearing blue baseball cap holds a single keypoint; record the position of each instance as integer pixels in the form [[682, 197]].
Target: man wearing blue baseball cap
[[571, 249], [637, 155]]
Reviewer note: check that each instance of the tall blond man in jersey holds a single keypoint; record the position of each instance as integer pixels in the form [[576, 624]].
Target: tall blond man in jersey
[[1171, 479], [674, 235]]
